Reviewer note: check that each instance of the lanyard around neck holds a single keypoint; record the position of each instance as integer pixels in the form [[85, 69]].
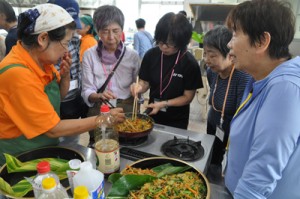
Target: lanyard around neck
[[225, 98], [107, 73], [238, 110], [161, 89]]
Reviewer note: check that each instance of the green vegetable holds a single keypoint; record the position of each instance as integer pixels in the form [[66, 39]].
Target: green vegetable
[[127, 183], [20, 189], [197, 37], [14, 165]]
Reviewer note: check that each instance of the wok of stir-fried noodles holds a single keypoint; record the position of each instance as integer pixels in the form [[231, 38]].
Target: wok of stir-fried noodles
[[134, 126], [187, 185]]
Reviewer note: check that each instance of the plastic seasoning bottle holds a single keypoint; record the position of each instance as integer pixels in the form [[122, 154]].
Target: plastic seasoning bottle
[[107, 143], [43, 171], [51, 191], [81, 192], [74, 165], [92, 179]]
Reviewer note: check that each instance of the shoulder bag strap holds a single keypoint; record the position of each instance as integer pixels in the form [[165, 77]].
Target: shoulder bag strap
[[100, 90]]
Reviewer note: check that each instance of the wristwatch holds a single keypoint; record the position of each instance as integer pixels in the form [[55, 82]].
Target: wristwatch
[[166, 104]]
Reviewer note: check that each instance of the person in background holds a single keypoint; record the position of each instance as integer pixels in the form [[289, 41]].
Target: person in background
[[2, 47], [99, 61], [87, 33], [183, 13], [123, 37], [227, 86], [142, 40], [72, 106], [8, 21], [264, 149], [30, 106], [170, 72]]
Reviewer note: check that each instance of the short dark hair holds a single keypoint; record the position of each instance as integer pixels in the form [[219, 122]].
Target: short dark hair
[[31, 40], [173, 28], [183, 12], [258, 16], [140, 23], [218, 38], [8, 10]]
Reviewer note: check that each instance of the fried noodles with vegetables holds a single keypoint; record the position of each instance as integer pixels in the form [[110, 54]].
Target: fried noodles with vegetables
[[186, 185], [138, 171], [134, 126]]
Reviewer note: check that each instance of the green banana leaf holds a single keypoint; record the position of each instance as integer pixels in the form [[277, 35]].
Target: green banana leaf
[[122, 185], [127, 183], [114, 177], [5, 187], [20, 189], [172, 170], [15, 165]]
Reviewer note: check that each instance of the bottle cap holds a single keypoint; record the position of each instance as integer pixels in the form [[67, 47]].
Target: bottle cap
[[43, 167], [48, 183], [81, 192], [75, 163], [104, 108], [87, 165]]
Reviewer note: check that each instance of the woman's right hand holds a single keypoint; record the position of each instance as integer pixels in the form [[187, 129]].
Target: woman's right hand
[[135, 89], [106, 95]]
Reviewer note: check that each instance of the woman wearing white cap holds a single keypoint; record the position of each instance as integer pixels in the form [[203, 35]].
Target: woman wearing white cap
[[30, 99]]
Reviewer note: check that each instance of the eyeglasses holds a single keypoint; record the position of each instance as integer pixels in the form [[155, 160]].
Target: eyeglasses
[[169, 45], [114, 32], [64, 45]]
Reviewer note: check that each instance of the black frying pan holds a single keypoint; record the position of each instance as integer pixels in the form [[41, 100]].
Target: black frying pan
[[46, 152]]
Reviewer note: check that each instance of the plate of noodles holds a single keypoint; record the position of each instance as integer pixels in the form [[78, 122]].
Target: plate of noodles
[[135, 127], [159, 177]]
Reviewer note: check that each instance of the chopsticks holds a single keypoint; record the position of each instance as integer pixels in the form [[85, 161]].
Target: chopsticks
[[135, 104], [107, 102]]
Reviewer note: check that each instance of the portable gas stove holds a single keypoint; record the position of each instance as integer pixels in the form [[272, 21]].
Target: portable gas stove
[[194, 148]]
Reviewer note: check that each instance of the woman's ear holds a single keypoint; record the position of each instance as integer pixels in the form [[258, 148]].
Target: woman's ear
[[43, 40], [264, 42]]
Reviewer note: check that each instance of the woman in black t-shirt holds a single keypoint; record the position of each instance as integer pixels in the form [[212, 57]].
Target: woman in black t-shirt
[[170, 72]]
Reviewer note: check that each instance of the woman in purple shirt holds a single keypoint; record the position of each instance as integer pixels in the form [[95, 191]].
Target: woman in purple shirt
[[99, 61]]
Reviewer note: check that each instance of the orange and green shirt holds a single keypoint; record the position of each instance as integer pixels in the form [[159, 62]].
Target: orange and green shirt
[[86, 42], [25, 108]]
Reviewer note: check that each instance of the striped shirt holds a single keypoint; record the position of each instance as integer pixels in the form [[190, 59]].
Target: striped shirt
[[75, 69], [237, 86]]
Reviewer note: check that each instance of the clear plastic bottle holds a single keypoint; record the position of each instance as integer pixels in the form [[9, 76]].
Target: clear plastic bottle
[[81, 192], [107, 143], [43, 171], [51, 191], [92, 179]]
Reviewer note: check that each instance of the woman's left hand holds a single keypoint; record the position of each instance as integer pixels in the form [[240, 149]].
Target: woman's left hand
[[156, 107], [65, 65]]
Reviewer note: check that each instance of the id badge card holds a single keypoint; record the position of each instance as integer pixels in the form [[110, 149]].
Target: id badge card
[[224, 163], [162, 109], [73, 84], [220, 133]]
